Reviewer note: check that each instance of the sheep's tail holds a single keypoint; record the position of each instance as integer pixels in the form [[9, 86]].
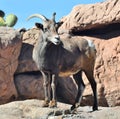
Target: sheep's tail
[[92, 49]]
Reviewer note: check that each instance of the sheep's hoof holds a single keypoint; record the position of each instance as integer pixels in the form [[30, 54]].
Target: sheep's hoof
[[45, 103], [52, 104], [74, 107], [95, 108]]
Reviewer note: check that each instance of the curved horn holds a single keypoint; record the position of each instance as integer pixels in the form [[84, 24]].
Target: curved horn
[[39, 16], [53, 18]]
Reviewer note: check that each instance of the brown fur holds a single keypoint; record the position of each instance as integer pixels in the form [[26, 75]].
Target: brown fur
[[55, 57]]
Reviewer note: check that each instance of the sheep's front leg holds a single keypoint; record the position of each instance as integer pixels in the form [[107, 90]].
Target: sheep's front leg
[[53, 102], [46, 81]]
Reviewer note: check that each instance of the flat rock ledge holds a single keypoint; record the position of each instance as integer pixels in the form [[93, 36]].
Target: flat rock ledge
[[32, 109]]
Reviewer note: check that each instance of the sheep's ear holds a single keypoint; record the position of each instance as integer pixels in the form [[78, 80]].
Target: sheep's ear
[[39, 25], [22, 30], [58, 24]]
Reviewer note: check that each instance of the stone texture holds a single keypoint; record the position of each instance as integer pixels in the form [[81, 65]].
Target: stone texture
[[89, 16], [10, 45], [30, 86], [31, 109], [108, 69], [26, 64]]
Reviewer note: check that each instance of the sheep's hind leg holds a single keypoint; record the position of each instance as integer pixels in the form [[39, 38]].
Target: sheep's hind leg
[[81, 87], [53, 102], [93, 83]]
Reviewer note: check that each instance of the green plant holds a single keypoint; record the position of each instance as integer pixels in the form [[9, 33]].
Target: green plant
[[10, 21]]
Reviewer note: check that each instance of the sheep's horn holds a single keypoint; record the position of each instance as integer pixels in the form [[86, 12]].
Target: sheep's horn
[[39, 16], [53, 18]]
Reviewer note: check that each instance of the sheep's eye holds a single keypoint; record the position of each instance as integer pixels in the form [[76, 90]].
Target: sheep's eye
[[45, 29]]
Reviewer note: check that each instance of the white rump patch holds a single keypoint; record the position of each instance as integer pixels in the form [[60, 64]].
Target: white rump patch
[[91, 44], [92, 48]]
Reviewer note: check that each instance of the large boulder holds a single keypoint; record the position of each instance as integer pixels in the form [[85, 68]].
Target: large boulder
[[107, 69], [26, 64], [30, 86], [91, 16], [10, 45]]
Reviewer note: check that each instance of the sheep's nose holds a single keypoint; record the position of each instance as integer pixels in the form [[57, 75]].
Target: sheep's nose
[[58, 41], [57, 37]]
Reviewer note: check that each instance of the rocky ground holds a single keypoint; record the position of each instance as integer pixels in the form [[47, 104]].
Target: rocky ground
[[31, 109]]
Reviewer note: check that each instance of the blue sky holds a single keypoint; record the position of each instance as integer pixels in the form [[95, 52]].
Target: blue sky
[[24, 8]]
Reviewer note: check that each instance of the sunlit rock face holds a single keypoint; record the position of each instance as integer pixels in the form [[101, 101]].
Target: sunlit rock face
[[10, 45]]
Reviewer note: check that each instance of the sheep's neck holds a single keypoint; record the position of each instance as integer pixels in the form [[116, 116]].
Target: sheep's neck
[[43, 49]]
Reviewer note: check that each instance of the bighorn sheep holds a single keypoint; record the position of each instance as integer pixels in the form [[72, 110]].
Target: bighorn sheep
[[63, 57]]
